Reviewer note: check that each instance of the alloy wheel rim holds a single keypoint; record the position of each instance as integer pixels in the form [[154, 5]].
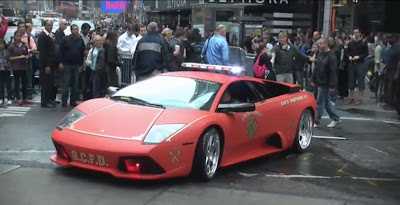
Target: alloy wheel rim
[[305, 131], [212, 150]]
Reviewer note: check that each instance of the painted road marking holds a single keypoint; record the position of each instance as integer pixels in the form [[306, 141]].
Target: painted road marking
[[329, 137], [12, 111], [382, 152], [25, 151], [332, 177], [248, 175], [366, 119]]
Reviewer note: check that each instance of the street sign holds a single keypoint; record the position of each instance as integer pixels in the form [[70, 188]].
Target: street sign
[[113, 6]]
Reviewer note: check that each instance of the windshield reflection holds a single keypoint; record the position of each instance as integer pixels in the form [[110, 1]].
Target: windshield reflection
[[174, 92]]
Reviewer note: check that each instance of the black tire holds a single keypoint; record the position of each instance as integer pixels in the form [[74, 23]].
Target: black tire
[[199, 169], [297, 145]]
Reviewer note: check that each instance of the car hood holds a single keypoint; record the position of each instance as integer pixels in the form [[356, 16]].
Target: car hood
[[126, 121]]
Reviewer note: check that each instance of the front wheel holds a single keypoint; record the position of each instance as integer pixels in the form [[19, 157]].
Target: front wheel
[[304, 132], [208, 152]]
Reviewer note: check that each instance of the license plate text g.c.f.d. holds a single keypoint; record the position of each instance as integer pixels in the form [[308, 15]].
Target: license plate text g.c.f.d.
[[89, 158]]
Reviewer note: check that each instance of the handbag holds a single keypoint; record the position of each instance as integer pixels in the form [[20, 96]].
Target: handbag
[[259, 71]]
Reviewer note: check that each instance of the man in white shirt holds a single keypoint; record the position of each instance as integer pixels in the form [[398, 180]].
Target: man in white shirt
[[85, 28], [126, 42]]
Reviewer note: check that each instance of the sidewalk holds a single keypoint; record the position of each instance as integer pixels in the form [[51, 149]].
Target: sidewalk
[[369, 107]]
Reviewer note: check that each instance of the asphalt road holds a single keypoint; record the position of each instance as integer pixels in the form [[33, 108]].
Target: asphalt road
[[359, 165]]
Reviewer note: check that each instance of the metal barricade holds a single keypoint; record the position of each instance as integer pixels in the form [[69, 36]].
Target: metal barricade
[[125, 74], [249, 64], [239, 57]]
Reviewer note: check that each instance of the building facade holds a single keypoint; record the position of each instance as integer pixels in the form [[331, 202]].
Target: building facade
[[276, 14]]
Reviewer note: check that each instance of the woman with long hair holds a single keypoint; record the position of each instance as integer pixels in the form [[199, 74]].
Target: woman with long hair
[[18, 56], [112, 57]]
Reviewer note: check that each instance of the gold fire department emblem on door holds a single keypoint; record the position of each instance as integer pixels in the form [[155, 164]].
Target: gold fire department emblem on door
[[251, 127]]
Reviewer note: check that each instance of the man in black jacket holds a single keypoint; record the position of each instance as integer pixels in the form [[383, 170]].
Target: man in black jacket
[[47, 64], [60, 31], [358, 51], [151, 55], [178, 48], [283, 55], [71, 50], [325, 78]]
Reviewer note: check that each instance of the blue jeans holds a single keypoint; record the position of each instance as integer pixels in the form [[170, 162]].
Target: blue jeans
[[300, 78], [324, 102], [100, 83], [70, 79], [357, 76]]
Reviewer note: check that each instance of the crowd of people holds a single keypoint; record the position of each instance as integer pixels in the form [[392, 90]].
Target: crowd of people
[[88, 60], [84, 64], [339, 70]]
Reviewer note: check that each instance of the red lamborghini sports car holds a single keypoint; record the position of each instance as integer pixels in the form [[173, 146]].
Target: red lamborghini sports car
[[179, 123]]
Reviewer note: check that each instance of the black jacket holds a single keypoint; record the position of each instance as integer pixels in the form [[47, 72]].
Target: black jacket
[[151, 54], [284, 60], [358, 48], [72, 50], [111, 59], [59, 35], [47, 55], [178, 59], [325, 73], [264, 60]]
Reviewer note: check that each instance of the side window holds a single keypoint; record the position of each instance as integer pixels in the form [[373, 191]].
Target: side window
[[238, 92], [261, 90]]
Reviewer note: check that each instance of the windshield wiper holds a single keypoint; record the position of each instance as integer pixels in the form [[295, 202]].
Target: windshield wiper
[[136, 101]]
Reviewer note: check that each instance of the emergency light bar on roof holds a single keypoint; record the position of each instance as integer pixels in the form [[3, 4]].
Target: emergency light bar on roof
[[233, 69]]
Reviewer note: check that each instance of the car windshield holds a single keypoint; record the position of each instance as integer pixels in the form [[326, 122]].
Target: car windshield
[[37, 22], [172, 92]]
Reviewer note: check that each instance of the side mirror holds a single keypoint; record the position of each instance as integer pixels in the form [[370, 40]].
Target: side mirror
[[237, 107]]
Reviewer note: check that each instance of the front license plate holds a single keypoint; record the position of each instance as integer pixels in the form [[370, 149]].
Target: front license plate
[[88, 158]]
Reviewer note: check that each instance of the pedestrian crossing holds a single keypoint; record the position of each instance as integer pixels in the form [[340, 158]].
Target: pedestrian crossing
[[14, 111]]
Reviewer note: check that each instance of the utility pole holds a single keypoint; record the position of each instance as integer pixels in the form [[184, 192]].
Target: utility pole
[[80, 9], [327, 17]]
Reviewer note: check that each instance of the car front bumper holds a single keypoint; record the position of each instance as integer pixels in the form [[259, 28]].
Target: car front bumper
[[102, 154]]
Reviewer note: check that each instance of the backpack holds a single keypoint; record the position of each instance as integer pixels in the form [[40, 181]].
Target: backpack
[[259, 71]]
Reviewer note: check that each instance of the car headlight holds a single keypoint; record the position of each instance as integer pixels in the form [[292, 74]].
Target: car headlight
[[72, 117], [158, 133]]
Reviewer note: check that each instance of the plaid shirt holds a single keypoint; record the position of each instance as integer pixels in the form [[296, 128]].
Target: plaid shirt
[[14, 51]]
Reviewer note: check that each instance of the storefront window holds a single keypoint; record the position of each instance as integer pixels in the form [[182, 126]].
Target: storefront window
[[224, 15]]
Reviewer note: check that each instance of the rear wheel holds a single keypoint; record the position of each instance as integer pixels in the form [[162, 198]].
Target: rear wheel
[[207, 157], [304, 132]]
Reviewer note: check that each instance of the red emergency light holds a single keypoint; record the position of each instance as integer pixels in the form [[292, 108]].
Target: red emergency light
[[232, 69]]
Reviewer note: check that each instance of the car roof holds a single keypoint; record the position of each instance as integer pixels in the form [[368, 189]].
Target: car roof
[[209, 76]]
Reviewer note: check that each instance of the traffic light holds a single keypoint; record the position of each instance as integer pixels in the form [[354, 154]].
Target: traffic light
[[345, 3], [340, 3]]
